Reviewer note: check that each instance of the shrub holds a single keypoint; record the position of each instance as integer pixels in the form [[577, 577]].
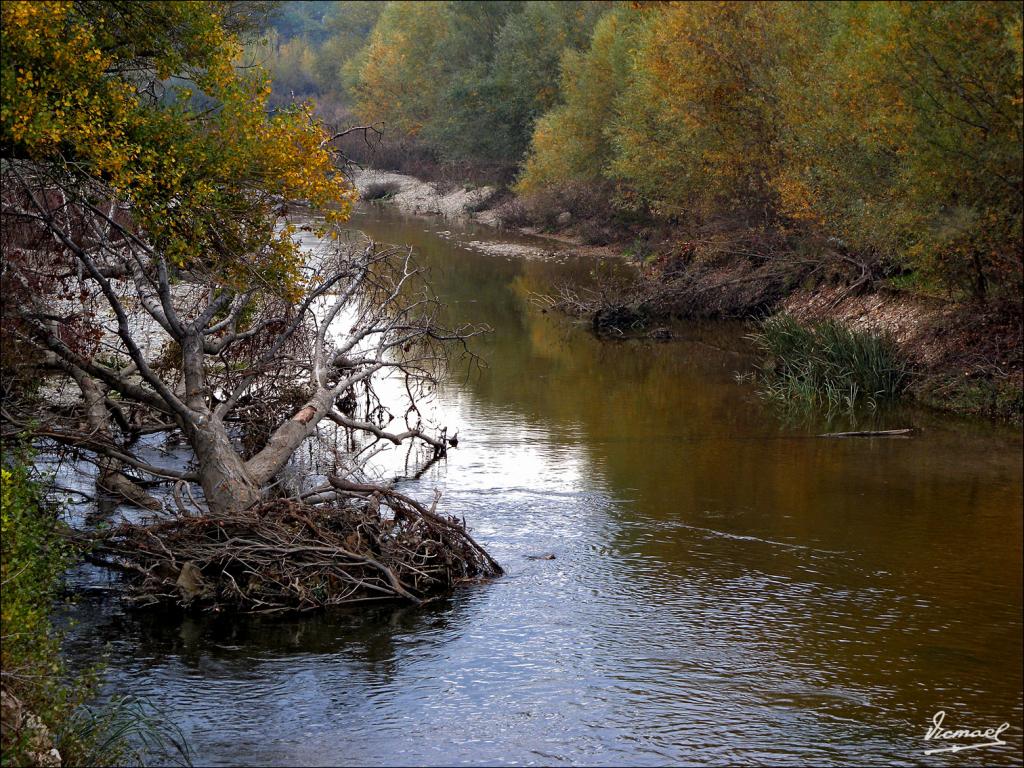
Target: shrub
[[44, 706], [379, 191], [32, 559]]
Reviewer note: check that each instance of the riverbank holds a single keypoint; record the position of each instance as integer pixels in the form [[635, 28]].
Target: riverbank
[[966, 358], [415, 196], [487, 205]]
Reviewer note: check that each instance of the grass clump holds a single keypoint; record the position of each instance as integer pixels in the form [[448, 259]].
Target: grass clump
[[126, 730], [827, 365]]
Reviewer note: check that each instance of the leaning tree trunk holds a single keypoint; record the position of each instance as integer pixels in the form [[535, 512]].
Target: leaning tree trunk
[[227, 485], [111, 478]]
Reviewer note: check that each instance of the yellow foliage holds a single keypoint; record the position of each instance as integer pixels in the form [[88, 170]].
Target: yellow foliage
[[894, 128], [570, 143], [696, 131], [199, 182], [400, 80]]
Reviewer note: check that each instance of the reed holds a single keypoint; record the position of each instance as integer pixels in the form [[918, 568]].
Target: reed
[[126, 730], [827, 365]]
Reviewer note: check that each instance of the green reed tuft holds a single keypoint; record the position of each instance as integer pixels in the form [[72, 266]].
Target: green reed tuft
[[827, 365], [127, 730]]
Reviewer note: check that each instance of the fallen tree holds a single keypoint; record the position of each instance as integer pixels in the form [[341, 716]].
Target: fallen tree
[[245, 398], [723, 274], [202, 304]]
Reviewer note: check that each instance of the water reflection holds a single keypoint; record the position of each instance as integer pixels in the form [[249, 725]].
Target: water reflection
[[727, 587]]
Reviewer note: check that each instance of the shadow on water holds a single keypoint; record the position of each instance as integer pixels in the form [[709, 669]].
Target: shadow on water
[[727, 587]]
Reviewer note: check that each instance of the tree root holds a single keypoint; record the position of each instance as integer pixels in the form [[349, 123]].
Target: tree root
[[285, 555]]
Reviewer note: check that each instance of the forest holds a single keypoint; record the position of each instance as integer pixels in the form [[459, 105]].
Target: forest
[[890, 130]]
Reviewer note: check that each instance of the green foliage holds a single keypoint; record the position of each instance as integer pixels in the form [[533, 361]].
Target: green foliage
[[827, 365], [994, 398], [491, 107], [696, 130], [310, 46], [571, 143], [126, 730], [33, 558], [468, 79], [303, 19], [903, 135], [893, 128], [201, 169], [399, 83]]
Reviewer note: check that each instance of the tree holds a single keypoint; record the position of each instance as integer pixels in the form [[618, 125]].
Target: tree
[[308, 46], [402, 76], [695, 132], [468, 79], [570, 143], [903, 135], [150, 256], [349, 26], [491, 108], [888, 134]]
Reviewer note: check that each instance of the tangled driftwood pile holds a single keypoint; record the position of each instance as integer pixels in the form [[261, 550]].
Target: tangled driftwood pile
[[285, 555]]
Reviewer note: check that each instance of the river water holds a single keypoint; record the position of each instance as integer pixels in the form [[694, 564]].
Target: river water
[[726, 588]]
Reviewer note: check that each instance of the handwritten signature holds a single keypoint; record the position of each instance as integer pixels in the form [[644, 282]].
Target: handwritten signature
[[938, 732]]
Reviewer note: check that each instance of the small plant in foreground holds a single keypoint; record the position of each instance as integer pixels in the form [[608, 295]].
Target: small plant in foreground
[[44, 705], [126, 730]]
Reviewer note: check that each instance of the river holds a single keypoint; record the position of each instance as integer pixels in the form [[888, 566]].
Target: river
[[727, 587]]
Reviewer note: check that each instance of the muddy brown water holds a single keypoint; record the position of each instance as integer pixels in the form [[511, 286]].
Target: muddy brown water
[[726, 588]]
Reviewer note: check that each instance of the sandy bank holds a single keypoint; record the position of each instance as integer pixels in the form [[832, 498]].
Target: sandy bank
[[412, 195]]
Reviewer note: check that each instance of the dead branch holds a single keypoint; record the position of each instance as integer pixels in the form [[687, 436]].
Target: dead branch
[[869, 433], [368, 544]]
